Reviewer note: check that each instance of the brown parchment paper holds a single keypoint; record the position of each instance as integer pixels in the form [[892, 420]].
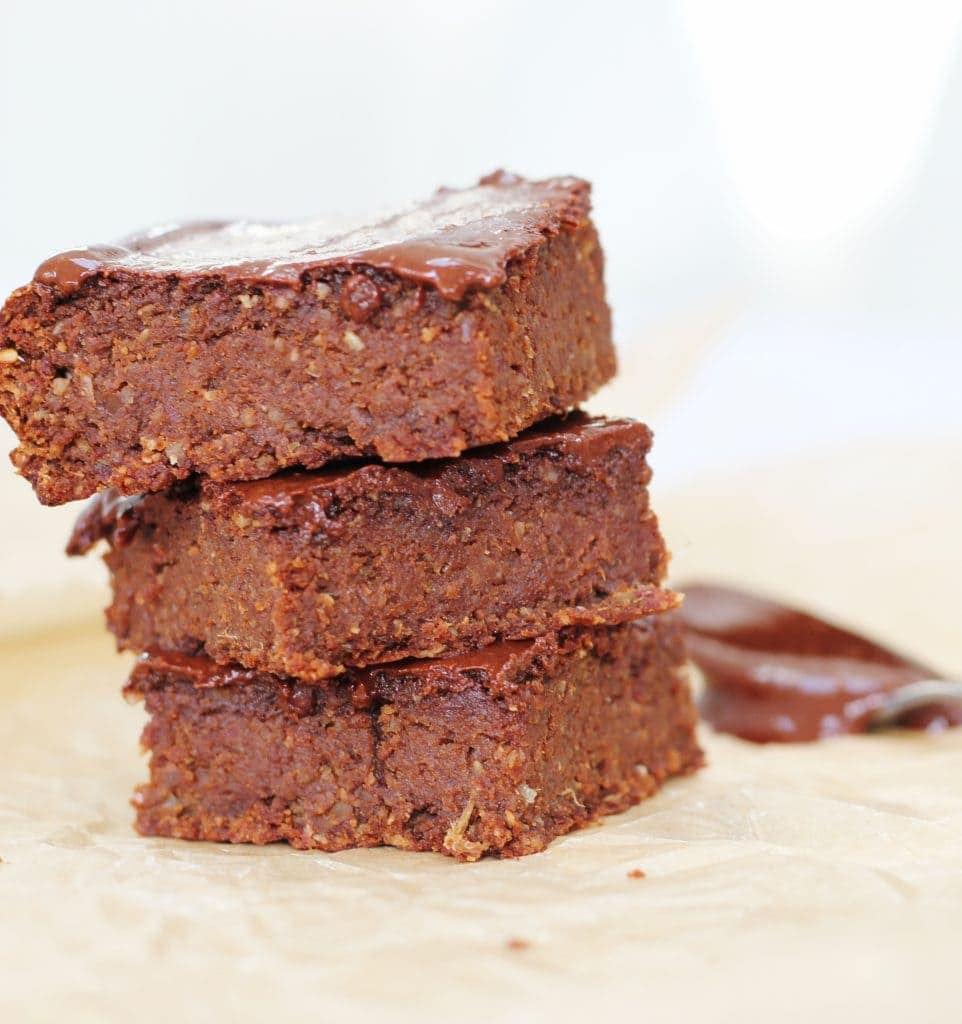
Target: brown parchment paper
[[810, 883]]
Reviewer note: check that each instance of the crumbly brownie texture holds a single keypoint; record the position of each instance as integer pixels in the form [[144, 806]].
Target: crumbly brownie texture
[[498, 752], [306, 573], [237, 350]]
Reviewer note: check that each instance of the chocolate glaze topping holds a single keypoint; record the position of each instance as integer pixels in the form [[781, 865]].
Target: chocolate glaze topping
[[456, 241], [776, 674], [577, 439], [576, 435], [204, 673], [451, 672]]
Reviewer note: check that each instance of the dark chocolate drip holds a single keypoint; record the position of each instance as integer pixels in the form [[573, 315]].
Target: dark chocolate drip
[[107, 516], [456, 242], [776, 674]]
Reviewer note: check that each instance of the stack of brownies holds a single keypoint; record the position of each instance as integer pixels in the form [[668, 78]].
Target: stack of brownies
[[389, 587]]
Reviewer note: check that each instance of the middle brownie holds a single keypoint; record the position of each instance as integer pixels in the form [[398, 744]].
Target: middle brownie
[[306, 573]]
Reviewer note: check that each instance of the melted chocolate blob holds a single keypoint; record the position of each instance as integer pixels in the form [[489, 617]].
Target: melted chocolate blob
[[774, 674]]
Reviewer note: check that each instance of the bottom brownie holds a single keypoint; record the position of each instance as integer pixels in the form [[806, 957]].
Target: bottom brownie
[[497, 751]]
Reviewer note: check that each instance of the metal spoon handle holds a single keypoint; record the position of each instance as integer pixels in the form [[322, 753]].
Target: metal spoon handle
[[920, 694]]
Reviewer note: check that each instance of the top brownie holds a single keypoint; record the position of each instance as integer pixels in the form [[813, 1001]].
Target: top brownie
[[235, 350]]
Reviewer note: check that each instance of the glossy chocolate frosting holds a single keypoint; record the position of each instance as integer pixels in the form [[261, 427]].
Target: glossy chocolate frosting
[[776, 674], [577, 438], [458, 240]]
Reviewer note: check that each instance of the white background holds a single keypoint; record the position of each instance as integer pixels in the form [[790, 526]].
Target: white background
[[777, 184]]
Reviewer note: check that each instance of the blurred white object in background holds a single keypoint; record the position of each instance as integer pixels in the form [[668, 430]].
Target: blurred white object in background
[[821, 108], [121, 117]]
